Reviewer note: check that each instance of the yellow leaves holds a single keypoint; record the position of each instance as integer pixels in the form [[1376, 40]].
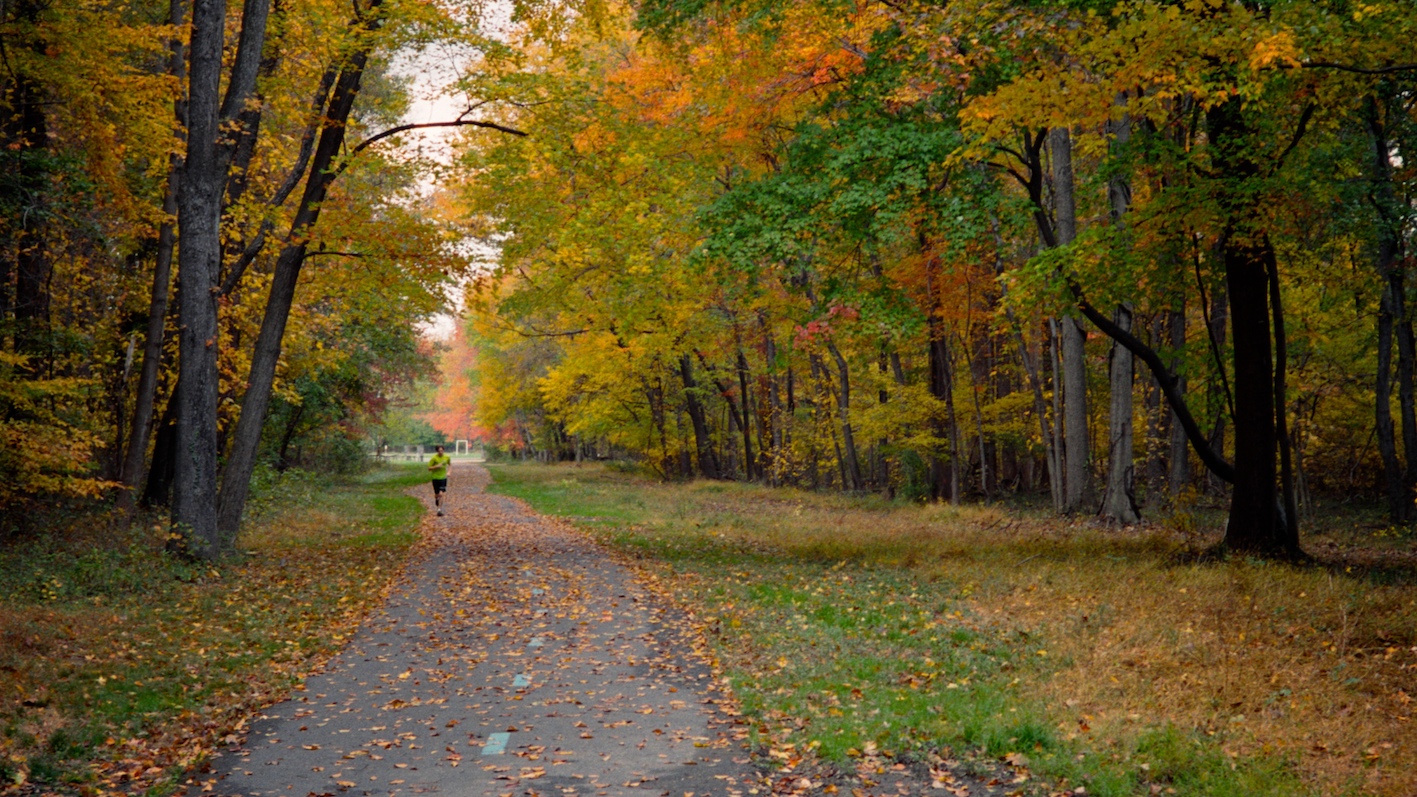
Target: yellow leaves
[[1278, 48], [592, 139]]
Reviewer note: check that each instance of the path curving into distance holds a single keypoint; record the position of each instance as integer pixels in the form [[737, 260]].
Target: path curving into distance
[[515, 657]]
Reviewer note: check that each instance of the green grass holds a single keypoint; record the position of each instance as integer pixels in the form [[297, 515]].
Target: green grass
[[839, 637], [112, 649]]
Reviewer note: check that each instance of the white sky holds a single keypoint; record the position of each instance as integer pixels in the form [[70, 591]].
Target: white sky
[[433, 98]]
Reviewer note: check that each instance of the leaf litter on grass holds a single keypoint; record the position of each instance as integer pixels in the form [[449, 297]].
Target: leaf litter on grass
[[121, 690], [1077, 638]]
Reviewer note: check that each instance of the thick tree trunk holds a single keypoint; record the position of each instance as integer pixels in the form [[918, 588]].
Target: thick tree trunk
[[1077, 479], [1254, 523], [703, 443], [199, 264], [194, 505]]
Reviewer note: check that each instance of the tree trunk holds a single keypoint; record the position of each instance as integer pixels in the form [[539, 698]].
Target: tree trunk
[[1217, 327], [1383, 425], [23, 131], [1392, 324], [1180, 458], [1255, 523], [975, 379], [1290, 519], [1077, 479], [198, 267], [146, 397], [1119, 501], [745, 422], [236, 482], [852, 463], [703, 443], [158, 489], [776, 456]]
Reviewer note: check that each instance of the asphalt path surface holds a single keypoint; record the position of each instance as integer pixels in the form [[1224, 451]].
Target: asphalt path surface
[[515, 657]]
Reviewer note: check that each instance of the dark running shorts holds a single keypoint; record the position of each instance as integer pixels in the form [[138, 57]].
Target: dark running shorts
[[440, 485]]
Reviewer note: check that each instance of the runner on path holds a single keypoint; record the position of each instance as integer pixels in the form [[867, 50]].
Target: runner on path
[[438, 466], [514, 657]]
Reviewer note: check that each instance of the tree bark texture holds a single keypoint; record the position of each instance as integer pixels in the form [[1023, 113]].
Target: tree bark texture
[[198, 268], [1119, 500], [1119, 503], [1256, 523], [1077, 476]]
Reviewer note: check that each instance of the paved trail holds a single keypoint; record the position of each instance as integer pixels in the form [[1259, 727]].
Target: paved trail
[[515, 658]]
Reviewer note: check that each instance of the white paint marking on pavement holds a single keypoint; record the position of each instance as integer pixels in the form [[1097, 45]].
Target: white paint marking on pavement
[[496, 744], [536, 642], [521, 680]]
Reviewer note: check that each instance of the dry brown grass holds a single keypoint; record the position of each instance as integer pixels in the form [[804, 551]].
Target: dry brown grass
[[1301, 662]]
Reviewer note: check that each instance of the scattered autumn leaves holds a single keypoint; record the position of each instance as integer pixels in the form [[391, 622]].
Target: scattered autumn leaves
[[123, 692], [1106, 660]]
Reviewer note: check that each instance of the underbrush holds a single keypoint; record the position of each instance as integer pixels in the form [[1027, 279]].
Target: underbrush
[[122, 665], [1107, 659]]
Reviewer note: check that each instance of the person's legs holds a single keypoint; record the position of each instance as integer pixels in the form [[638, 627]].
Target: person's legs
[[440, 487]]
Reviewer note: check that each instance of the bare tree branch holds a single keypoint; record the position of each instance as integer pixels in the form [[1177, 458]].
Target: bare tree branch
[[1362, 70]]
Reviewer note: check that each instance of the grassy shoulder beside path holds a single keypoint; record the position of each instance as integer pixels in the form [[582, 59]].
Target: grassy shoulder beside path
[[120, 666], [1093, 661]]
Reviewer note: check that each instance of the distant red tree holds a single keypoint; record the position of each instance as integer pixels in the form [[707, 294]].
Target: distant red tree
[[454, 399]]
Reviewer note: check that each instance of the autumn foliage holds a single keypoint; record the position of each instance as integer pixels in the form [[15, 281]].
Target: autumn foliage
[[1129, 252]]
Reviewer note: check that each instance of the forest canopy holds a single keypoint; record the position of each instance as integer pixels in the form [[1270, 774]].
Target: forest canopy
[[1121, 254], [1127, 252]]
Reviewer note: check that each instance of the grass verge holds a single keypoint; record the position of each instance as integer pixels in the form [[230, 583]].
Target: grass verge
[[121, 666], [1105, 660]]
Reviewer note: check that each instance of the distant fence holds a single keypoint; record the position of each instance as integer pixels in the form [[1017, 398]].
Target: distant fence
[[419, 453]]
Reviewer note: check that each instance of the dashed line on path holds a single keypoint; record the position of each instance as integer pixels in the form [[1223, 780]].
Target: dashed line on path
[[496, 743]]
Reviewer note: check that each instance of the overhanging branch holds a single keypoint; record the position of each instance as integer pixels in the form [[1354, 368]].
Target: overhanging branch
[[1362, 70], [1164, 378]]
